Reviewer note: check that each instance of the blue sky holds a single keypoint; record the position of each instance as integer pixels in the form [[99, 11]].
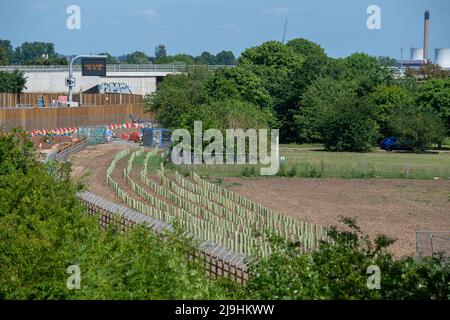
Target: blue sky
[[212, 25]]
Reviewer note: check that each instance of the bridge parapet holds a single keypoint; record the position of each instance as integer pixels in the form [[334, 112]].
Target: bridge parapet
[[128, 68]]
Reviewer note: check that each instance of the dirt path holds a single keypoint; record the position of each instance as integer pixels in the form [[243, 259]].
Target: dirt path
[[397, 208], [90, 165]]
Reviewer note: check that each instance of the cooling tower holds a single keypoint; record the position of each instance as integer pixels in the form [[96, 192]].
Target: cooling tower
[[443, 58], [416, 54]]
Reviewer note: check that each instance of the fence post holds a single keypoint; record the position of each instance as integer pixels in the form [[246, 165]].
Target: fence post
[[417, 245], [432, 245]]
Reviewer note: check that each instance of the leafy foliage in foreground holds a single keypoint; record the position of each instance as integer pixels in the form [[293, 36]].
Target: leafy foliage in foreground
[[43, 230], [339, 271]]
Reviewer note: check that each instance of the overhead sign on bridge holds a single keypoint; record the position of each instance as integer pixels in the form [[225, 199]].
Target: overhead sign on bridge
[[93, 67]]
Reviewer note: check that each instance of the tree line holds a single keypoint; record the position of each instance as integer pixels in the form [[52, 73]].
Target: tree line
[[30, 53], [43, 53], [348, 104]]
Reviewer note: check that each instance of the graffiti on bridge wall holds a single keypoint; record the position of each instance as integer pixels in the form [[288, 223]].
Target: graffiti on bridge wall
[[114, 87]]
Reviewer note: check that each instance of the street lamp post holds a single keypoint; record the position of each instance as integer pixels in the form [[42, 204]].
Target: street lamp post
[[71, 82]]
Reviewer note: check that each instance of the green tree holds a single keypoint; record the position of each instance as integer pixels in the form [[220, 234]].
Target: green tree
[[306, 48], [237, 83], [176, 95], [206, 58], [225, 58], [418, 127], [227, 114], [349, 125], [7, 49], [30, 51], [184, 59], [388, 61], [48, 61], [313, 67], [160, 51], [269, 54], [387, 100], [137, 57], [274, 63], [44, 229], [12, 82], [318, 100], [435, 94], [3, 58], [363, 70]]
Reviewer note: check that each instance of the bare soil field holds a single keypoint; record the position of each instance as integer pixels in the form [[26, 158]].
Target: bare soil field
[[397, 208]]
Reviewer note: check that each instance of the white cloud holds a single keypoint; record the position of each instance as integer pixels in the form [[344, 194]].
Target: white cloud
[[149, 13]]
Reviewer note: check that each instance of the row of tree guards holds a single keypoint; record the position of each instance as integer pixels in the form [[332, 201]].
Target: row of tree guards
[[208, 211]]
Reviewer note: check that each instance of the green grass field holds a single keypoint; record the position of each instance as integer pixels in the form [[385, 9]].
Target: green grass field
[[321, 164]]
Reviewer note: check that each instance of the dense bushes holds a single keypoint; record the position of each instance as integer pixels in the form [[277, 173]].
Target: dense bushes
[[320, 97], [237, 83], [176, 95], [418, 127], [435, 94], [12, 82], [44, 229], [228, 98], [228, 114], [348, 126], [339, 271]]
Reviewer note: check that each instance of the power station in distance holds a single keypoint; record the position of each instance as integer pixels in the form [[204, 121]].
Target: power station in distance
[[420, 56]]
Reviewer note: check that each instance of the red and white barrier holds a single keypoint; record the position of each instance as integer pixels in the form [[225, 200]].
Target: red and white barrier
[[68, 131]]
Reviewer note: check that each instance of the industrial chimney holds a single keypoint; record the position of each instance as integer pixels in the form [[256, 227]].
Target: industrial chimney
[[426, 36]]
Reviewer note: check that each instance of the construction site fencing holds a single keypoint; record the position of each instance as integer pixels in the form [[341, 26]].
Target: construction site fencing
[[54, 118], [63, 153], [433, 244], [93, 135]]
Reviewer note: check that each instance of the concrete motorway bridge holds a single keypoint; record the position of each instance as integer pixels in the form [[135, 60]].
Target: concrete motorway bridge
[[125, 78]]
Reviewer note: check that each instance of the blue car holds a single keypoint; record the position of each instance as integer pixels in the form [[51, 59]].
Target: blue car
[[391, 143]]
